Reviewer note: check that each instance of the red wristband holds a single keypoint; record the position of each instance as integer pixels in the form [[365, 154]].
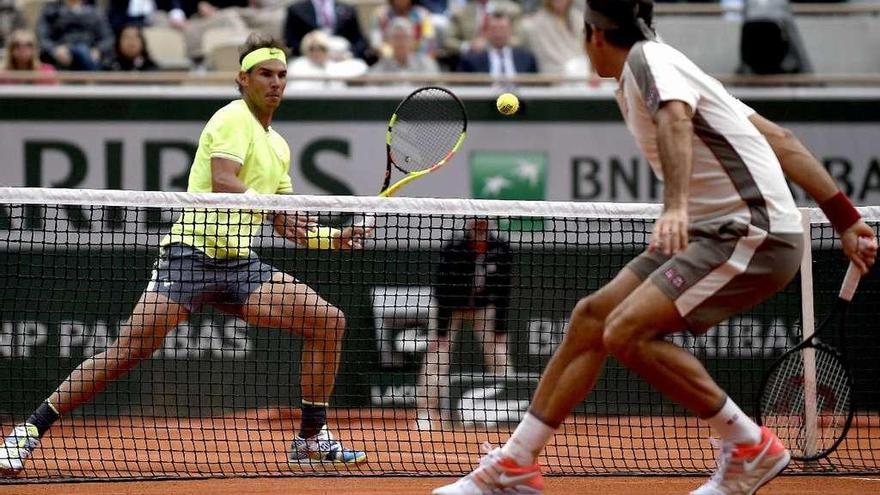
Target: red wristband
[[840, 211]]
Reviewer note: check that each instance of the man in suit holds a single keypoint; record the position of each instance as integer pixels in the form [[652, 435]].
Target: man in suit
[[121, 13], [467, 25], [333, 17], [500, 58]]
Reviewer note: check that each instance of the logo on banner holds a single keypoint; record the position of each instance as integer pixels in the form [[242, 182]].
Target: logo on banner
[[510, 175]]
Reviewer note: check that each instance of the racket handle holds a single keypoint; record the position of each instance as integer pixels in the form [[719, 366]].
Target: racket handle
[[850, 282], [853, 274]]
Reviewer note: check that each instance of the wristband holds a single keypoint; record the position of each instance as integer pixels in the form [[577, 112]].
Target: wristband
[[840, 212], [322, 237]]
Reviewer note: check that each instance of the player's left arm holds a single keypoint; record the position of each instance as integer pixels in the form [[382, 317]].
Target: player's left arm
[[304, 229], [799, 164], [675, 133]]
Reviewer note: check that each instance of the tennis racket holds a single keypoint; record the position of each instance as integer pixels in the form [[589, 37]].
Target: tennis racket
[[806, 395], [425, 130]]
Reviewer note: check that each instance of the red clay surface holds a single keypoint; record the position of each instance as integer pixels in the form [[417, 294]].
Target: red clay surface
[[790, 485], [254, 444]]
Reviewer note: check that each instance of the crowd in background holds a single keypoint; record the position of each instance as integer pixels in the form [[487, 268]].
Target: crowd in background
[[326, 37]]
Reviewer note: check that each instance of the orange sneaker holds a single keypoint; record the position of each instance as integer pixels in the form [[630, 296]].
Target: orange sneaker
[[743, 469], [497, 473]]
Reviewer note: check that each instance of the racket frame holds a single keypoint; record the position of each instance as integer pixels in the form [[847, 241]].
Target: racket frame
[[838, 314], [390, 190]]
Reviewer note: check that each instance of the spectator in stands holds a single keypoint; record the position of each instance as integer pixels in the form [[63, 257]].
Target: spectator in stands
[[22, 54], [473, 284], [314, 62], [343, 62], [439, 7], [131, 52], [215, 14], [334, 18], [770, 42], [403, 57], [467, 27], [555, 35], [10, 20], [420, 20], [74, 35], [499, 58], [122, 13], [266, 17]]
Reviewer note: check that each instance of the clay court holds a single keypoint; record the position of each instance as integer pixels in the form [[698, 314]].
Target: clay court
[[789, 485], [245, 453]]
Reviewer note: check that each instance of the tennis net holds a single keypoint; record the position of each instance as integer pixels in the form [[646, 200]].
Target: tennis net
[[217, 397]]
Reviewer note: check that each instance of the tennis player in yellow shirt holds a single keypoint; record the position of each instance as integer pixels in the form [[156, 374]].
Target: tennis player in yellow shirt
[[206, 259]]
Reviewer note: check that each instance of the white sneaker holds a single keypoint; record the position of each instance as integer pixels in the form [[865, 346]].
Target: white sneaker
[[17, 447], [497, 473], [322, 448], [743, 469]]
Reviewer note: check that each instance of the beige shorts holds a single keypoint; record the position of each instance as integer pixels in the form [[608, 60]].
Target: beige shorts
[[726, 269]]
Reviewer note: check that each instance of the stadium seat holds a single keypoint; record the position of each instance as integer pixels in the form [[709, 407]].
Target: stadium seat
[[30, 10], [222, 36], [167, 47], [223, 57], [842, 45], [711, 42]]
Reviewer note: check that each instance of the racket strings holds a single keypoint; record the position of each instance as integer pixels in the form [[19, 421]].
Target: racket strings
[[428, 125], [791, 398]]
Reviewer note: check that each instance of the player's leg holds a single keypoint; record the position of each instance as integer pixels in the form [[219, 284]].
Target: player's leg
[[433, 381], [493, 338], [283, 302], [694, 290], [568, 378], [153, 316]]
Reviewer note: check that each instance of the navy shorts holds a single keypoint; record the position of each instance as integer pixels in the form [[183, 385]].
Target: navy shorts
[[192, 279]]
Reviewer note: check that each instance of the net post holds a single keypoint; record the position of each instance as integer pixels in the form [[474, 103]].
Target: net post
[[808, 327]]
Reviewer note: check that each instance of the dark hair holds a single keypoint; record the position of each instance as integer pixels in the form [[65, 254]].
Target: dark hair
[[255, 41], [142, 62], [633, 20]]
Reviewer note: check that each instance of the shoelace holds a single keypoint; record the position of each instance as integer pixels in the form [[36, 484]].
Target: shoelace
[[326, 442], [481, 476], [725, 454]]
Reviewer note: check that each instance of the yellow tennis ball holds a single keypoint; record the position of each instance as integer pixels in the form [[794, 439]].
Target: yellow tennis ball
[[507, 104]]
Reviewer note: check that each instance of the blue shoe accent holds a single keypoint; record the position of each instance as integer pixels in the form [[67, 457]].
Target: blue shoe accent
[[17, 447], [321, 449]]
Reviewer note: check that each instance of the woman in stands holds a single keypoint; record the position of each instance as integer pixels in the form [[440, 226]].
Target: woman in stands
[[22, 54], [131, 53]]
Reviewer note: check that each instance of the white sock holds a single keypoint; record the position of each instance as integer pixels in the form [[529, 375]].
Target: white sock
[[733, 425], [528, 440]]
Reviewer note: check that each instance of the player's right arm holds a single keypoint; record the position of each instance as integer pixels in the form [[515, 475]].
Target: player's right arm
[[224, 179], [675, 144], [805, 170], [224, 176]]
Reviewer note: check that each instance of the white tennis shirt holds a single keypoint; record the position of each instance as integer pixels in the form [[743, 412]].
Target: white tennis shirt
[[736, 175]]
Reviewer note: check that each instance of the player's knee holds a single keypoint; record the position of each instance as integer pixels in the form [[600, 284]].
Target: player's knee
[[337, 323], [620, 336], [585, 326], [332, 325]]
